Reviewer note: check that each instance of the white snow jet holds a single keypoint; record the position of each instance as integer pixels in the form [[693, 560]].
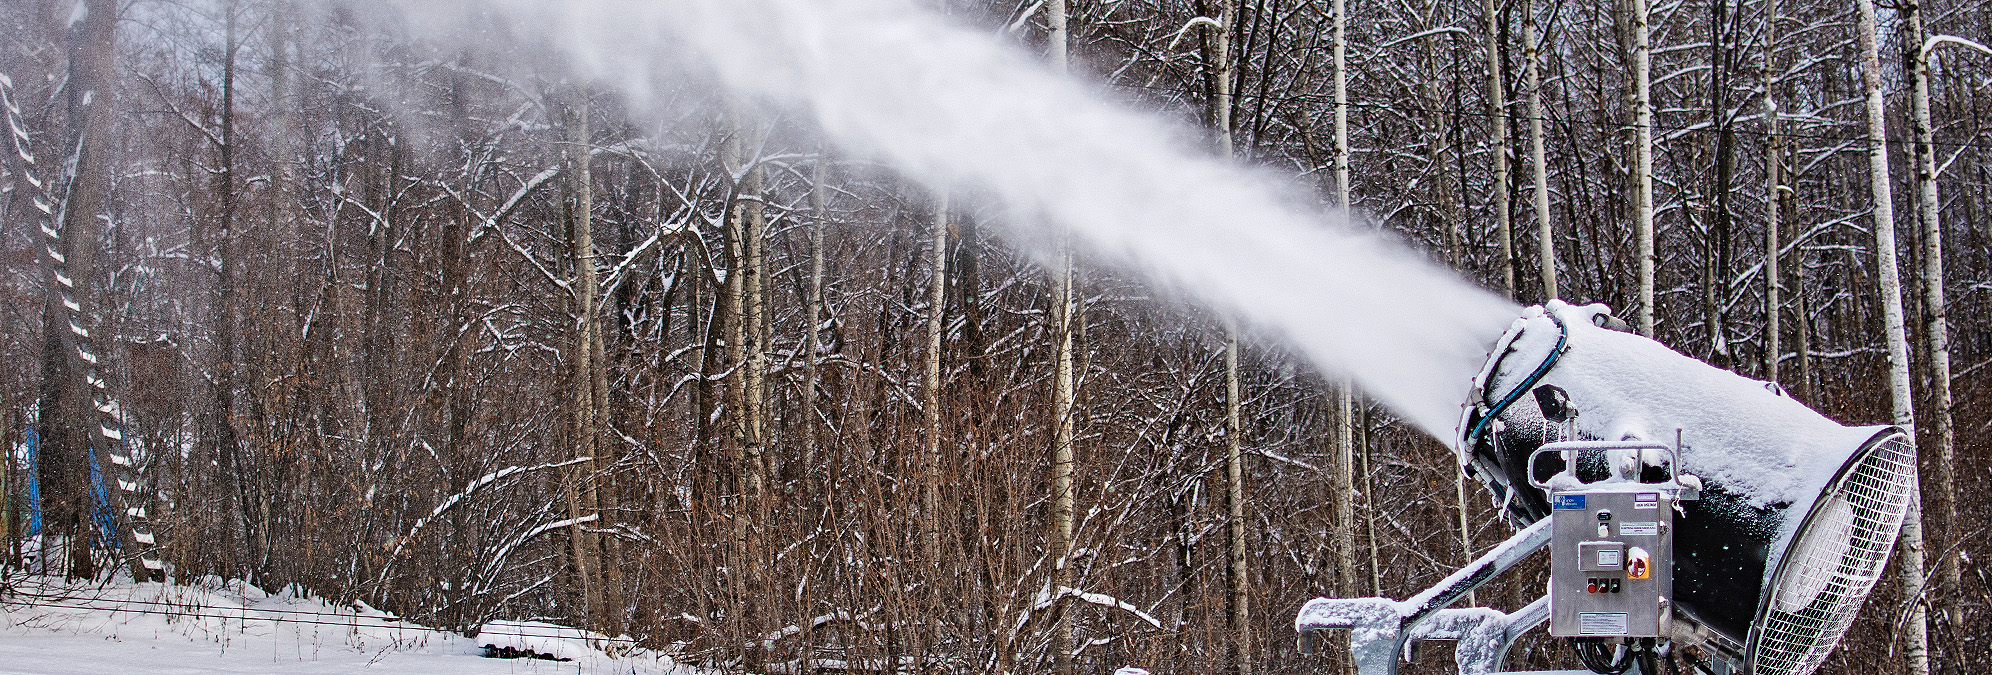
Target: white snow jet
[[961, 108]]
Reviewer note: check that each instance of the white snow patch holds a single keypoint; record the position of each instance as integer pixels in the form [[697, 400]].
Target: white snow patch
[[57, 628]]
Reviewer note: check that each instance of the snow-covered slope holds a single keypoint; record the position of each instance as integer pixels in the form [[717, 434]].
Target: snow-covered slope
[[53, 628]]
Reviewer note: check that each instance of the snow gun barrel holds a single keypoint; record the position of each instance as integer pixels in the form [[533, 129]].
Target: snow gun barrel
[[1796, 513]]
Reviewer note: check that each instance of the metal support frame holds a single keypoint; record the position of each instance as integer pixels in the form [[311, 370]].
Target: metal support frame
[[1379, 628]]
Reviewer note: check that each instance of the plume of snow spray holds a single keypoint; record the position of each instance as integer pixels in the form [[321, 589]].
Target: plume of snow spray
[[957, 107]]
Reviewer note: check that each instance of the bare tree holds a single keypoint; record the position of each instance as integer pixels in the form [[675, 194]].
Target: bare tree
[[583, 432], [72, 410]]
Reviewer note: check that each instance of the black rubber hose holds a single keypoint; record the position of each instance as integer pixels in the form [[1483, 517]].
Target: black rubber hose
[[1601, 658]]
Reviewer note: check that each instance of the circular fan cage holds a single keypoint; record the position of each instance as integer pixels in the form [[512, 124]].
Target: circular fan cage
[[1839, 552]]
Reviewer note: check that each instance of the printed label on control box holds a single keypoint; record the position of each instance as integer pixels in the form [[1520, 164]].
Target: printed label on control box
[[1645, 529], [1601, 623]]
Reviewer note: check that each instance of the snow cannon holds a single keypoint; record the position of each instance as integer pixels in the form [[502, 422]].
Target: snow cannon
[[1780, 520]]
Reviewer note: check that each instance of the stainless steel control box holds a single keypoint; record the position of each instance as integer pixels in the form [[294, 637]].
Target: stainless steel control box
[[1611, 564]]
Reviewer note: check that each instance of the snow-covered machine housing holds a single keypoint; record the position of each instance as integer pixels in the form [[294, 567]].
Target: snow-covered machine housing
[[1797, 513]]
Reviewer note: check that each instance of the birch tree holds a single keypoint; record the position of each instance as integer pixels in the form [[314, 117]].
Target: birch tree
[[1545, 232], [1910, 545], [1936, 331], [1341, 407], [1497, 113], [1220, 74], [1064, 388], [1642, 152], [937, 300]]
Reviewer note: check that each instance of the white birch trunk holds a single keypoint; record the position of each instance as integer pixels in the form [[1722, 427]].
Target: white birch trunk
[[1773, 282], [1916, 637], [1237, 593], [1642, 122], [1340, 409], [1937, 329], [1773, 181], [937, 298], [1545, 232], [1064, 391], [1497, 110]]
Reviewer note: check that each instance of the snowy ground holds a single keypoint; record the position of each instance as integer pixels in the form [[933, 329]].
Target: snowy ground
[[52, 628]]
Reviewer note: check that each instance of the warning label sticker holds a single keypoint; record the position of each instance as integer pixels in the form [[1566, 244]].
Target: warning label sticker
[[1601, 623], [1645, 529]]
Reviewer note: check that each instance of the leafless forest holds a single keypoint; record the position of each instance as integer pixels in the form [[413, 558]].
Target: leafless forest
[[453, 331]]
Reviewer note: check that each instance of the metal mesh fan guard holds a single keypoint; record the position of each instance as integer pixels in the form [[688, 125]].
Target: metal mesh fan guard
[[1838, 554]]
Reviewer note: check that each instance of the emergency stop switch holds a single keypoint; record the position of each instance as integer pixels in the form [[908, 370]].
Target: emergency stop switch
[[1638, 563]]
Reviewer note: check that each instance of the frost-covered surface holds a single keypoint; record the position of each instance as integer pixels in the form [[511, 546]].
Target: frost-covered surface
[[1481, 636], [1379, 627], [58, 628], [1740, 435]]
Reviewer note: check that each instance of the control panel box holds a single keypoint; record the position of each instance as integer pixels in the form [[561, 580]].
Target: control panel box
[[1611, 564]]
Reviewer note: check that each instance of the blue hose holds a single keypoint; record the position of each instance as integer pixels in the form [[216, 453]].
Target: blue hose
[[1562, 340]]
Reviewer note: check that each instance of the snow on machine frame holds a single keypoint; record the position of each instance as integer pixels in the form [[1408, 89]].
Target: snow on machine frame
[[1780, 519]]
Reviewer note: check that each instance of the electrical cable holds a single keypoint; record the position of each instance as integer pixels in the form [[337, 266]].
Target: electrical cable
[[1593, 652], [1646, 657]]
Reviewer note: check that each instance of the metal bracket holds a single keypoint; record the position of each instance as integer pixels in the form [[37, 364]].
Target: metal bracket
[[1379, 628]]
